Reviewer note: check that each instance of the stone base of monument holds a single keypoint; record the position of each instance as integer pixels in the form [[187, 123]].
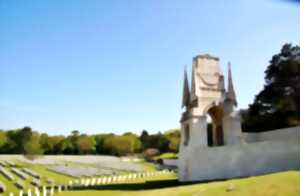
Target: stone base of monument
[[225, 162]]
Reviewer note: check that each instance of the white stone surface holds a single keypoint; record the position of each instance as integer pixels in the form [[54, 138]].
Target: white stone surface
[[232, 129], [286, 134], [242, 160]]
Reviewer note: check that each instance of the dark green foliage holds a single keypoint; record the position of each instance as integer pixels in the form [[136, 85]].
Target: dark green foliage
[[168, 142], [278, 104], [31, 143]]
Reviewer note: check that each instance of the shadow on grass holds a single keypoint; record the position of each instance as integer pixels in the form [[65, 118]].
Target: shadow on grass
[[135, 186], [148, 185]]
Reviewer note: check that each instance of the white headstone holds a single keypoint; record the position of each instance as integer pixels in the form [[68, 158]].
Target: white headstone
[[52, 191], [119, 178], [109, 180], [11, 194], [82, 181], [59, 188], [37, 191], [87, 182], [44, 191], [114, 178], [99, 181], [104, 180], [28, 192], [93, 182], [21, 193]]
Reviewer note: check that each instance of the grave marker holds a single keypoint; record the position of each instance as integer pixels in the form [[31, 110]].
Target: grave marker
[[37, 191], [108, 180], [82, 182], [119, 178], [52, 191], [104, 180], [87, 182], [44, 191], [93, 182], [29, 192]]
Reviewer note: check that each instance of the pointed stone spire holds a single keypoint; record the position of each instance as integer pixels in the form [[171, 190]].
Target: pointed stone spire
[[186, 91], [230, 95]]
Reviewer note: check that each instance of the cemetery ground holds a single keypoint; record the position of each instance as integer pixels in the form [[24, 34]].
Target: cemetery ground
[[278, 184], [156, 183]]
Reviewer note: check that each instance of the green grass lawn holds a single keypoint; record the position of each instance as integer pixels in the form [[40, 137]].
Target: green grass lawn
[[168, 155], [58, 178], [278, 184], [42, 170]]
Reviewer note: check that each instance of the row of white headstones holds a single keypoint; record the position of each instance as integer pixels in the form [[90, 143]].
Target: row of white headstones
[[88, 182]]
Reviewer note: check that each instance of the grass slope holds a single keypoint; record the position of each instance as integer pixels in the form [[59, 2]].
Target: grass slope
[[42, 170], [278, 184]]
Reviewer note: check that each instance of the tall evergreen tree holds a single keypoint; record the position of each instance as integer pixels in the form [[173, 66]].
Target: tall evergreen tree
[[278, 104]]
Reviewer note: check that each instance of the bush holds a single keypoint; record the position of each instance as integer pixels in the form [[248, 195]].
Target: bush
[[150, 153]]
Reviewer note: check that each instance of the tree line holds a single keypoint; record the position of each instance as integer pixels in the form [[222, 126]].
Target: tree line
[[28, 142]]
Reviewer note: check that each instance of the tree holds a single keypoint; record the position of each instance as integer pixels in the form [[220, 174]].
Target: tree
[[67, 146], [99, 139], [3, 141], [32, 147], [144, 139], [122, 145], [85, 144], [74, 138], [55, 144], [173, 137], [278, 104]]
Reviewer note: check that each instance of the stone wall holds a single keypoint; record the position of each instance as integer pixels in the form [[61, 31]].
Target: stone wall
[[287, 134], [239, 160]]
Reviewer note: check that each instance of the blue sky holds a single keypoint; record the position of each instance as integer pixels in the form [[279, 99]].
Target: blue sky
[[116, 66]]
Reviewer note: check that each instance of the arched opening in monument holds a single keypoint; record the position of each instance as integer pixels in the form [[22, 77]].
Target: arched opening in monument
[[215, 136], [209, 131]]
